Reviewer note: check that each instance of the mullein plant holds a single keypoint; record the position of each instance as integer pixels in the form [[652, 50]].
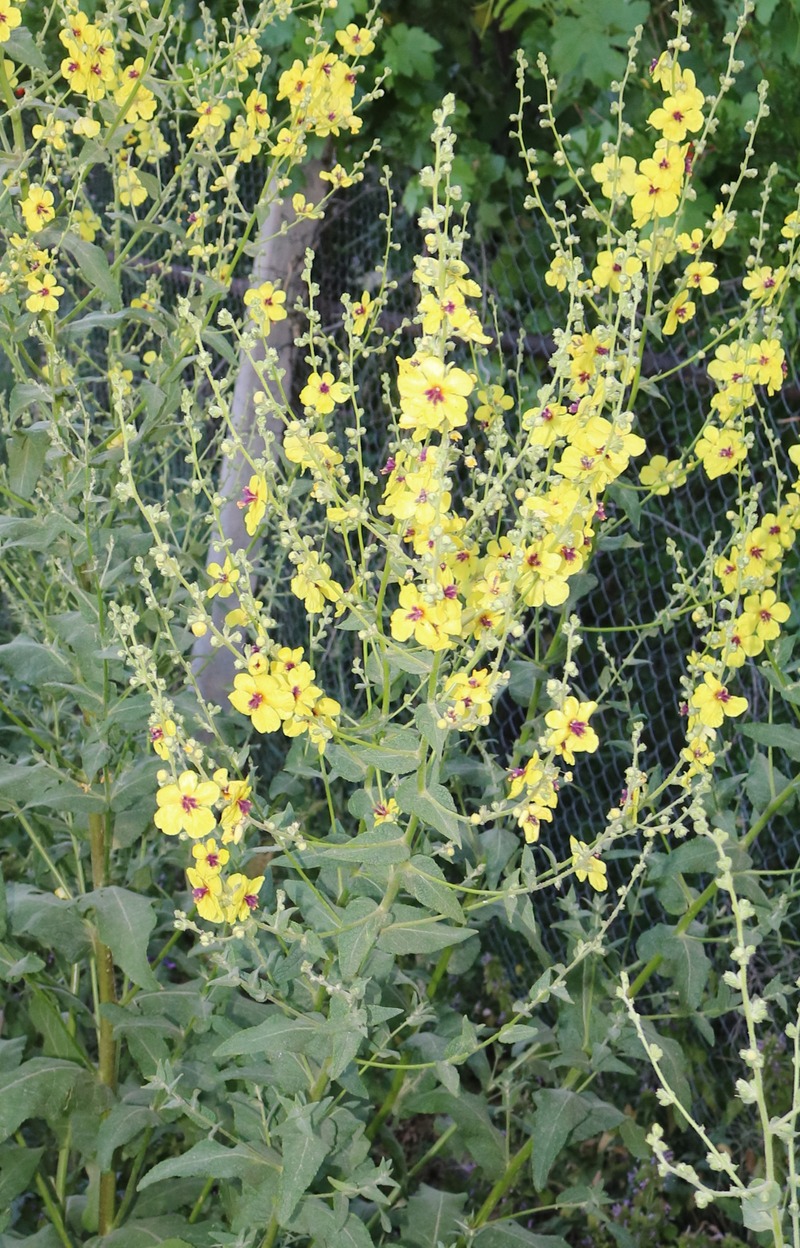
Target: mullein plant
[[421, 574]]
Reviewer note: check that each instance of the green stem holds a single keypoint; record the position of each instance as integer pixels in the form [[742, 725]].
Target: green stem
[[711, 890], [133, 1178], [34, 837], [47, 1200], [438, 972], [107, 1049], [271, 1234], [201, 1200], [502, 1185], [388, 1104]]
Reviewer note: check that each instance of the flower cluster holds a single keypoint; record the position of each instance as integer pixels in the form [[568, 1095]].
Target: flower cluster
[[280, 693], [746, 574], [192, 806]]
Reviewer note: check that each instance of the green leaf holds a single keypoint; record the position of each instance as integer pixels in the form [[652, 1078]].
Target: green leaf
[[122, 1124], [397, 753], [22, 49], [776, 736], [683, 960], [277, 1035], [413, 930], [558, 1112], [18, 1166], [476, 1132], [304, 1150], [3, 904], [39, 1088], [210, 1159], [762, 1198], [408, 51], [58, 1041], [343, 762], [33, 533], [434, 807], [432, 1217], [427, 719], [26, 397], [15, 964], [380, 847], [124, 922], [26, 455], [355, 945], [524, 676], [93, 268], [507, 1234], [425, 880], [158, 1232], [29, 661], [51, 921]]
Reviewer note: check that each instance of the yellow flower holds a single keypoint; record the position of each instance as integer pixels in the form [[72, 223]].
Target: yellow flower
[[45, 292], [224, 578], [614, 269], [244, 141], [661, 475], [493, 401], [211, 118], [52, 132], [433, 396], [356, 41], [266, 305], [361, 313], [698, 755], [321, 393], [698, 276], [86, 128], [561, 271], [587, 865], [184, 807], [569, 729], [256, 111], [241, 897], [617, 175], [209, 858], [721, 224], [206, 894], [37, 207], [766, 613], [763, 283], [338, 177], [720, 451], [10, 18], [385, 812], [711, 702], [161, 737], [681, 111], [265, 699], [132, 190], [431, 624], [254, 498], [313, 584], [310, 450], [681, 310], [691, 243], [87, 224]]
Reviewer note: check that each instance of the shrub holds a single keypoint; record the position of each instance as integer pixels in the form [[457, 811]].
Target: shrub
[[346, 826]]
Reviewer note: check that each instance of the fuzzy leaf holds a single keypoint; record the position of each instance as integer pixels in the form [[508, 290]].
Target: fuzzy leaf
[[124, 923], [558, 1112], [39, 1088], [210, 1159]]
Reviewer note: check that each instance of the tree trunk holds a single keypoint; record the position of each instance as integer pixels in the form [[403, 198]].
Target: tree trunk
[[280, 258]]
